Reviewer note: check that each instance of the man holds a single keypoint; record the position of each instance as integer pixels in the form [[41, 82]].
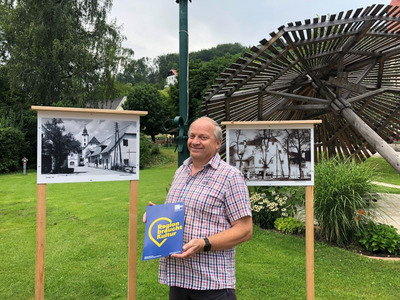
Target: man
[[217, 218]]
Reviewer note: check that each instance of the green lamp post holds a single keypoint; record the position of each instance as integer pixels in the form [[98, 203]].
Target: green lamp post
[[182, 119]]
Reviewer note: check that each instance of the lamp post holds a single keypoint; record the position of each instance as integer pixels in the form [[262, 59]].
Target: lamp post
[[182, 119]]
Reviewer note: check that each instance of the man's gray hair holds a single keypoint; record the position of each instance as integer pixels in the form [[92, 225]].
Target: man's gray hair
[[217, 131]]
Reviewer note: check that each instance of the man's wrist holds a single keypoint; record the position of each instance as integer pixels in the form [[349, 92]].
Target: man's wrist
[[207, 245]]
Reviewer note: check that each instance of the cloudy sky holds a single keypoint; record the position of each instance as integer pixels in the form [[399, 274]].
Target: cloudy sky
[[152, 26]]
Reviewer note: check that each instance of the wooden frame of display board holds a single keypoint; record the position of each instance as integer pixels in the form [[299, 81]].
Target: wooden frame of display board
[[111, 156], [264, 151]]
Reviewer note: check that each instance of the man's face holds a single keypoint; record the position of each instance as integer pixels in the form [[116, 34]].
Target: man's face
[[202, 144]]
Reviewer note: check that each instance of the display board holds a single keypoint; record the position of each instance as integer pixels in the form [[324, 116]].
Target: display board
[[82, 145], [79, 146], [272, 153]]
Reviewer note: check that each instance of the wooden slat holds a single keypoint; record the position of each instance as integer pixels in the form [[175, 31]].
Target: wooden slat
[[89, 110], [285, 122]]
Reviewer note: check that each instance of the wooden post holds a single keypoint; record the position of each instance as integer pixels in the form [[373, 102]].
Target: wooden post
[[372, 138], [310, 242], [132, 239], [40, 241]]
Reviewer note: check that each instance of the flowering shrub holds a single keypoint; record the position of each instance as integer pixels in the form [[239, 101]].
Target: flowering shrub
[[272, 203]]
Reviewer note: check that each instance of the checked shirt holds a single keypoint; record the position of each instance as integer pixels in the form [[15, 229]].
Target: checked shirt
[[214, 197]]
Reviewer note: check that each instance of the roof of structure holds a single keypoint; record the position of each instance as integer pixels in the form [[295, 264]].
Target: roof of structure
[[315, 70]]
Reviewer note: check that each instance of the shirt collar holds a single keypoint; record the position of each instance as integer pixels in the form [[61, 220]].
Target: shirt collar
[[213, 163]]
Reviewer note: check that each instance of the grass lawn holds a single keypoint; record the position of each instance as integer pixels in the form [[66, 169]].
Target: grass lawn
[[384, 173], [87, 245]]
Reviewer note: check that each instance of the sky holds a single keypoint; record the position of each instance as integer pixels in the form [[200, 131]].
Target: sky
[[151, 27]]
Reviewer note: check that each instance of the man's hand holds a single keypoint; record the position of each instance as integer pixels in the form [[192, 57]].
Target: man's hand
[[240, 232], [191, 248], [144, 215]]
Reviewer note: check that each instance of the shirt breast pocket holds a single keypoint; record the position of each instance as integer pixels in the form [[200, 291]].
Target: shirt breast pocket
[[208, 201]]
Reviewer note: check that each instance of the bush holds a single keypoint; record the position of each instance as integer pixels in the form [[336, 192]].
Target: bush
[[380, 238], [145, 151], [289, 225], [270, 203], [342, 199], [12, 148], [155, 149]]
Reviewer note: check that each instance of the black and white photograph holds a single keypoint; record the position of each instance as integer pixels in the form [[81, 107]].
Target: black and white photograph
[[268, 156], [83, 149]]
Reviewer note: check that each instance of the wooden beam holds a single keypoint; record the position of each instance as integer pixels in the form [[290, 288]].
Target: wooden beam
[[227, 109], [307, 107], [244, 94], [283, 122], [359, 64], [89, 110], [40, 241], [380, 73], [297, 97], [310, 242], [343, 83], [373, 93], [372, 138], [260, 106], [132, 239]]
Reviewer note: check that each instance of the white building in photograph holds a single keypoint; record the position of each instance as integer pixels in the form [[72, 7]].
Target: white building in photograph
[[268, 158], [116, 152]]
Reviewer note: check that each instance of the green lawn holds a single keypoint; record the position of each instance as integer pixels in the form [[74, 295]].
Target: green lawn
[[383, 172], [87, 245]]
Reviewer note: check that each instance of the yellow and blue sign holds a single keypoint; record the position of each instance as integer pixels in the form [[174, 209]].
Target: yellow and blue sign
[[164, 230]]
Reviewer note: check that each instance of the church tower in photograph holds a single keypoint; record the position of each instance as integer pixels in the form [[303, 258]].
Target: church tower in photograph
[[85, 137]]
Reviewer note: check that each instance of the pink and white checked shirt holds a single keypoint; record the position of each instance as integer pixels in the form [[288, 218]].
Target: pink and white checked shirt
[[214, 197]]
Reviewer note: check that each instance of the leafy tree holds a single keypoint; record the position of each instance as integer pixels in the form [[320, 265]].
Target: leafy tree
[[201, 77], [221, 50], [57, 145], [146, 97], [165, 63], [139, 71], [57, 50], [12, 149], [156, 70]]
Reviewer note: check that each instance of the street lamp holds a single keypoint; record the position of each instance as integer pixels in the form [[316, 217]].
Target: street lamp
[[182, 119]]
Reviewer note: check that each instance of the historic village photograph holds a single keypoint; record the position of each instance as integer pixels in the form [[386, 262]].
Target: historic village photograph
[[271, 154], [88, 147]]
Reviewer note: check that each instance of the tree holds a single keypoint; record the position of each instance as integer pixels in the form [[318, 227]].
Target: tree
[[239, 146], [12, 149], [299, 140], [201, 77], [146, 97], [165, 63], [61, 50], [221, 50], [140, 71], [264, 139], [57, 145]]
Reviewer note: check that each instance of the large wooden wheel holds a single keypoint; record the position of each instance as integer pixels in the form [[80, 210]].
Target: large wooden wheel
[[342, 68]]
